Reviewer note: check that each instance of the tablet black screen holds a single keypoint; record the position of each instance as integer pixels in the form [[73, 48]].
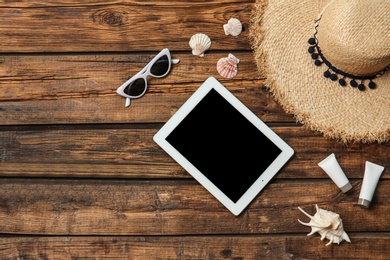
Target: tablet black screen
[[223, 145]]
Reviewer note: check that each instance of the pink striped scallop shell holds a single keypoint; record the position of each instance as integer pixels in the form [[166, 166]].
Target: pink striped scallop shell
[[227, 66]]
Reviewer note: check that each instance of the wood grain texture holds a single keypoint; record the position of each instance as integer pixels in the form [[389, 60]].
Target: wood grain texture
[[96, 26], [81, 89], [81, 178], [96, 207], [130, 152], [194, 248]]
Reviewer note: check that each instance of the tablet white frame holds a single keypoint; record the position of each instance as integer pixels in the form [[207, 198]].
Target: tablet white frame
[[265, 177]]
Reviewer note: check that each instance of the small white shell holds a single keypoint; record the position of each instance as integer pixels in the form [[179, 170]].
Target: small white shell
[[227, 66], [200, 43], [233, 27], [328, 224]]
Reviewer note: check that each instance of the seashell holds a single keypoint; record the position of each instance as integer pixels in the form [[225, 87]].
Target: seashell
[[200, 43], [233, 27], [227, 66], [328, 224]]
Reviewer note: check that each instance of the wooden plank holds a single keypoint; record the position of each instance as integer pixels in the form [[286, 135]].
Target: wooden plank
[[110, 191], [199, 247], [80, 89], [88, 207], [68, 26], [130, 152]]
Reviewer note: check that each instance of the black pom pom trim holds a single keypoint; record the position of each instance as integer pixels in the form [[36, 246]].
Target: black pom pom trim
[[372, 85], [314, 56], [353, 83], [333, 77], [342, 82], [312, 41], [334, 73], [327, 74]]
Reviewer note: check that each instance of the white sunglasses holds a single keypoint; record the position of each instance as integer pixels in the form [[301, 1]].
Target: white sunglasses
[[158, 67]]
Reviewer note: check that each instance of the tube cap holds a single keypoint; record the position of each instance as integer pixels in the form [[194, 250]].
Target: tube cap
[[346, 187], [364, 203]]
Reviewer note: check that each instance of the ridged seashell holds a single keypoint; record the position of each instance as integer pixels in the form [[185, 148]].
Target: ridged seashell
[[328, 224], [200, 43], [233, 27], [227, 66]]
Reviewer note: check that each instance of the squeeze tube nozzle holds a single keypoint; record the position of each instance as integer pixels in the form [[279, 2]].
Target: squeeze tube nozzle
[[372, 173], [331, 166]]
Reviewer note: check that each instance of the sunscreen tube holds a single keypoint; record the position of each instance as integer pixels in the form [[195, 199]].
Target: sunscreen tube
[[331, 166], [372, 173]]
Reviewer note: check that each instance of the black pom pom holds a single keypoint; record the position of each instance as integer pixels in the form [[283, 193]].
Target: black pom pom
[[353, 83], [312, 41], [333, 77], [314, 56], [372, 85], [311, 49], [327, 74], [361, 87], [318, 63], [342, 82]]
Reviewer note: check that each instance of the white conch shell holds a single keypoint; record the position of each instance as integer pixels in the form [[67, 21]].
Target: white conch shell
[[200, 43], [233, 27], [328, 224], [227, 66]]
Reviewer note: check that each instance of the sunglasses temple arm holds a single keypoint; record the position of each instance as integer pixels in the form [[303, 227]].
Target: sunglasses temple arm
[[127, 102], [175, 61]]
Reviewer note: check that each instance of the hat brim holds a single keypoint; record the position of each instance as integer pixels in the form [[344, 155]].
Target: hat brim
[[279, 33]]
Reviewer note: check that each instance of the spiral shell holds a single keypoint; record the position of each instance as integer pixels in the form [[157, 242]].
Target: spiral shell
[[233, 27], [227, 66], [200, 43], [328, 224]]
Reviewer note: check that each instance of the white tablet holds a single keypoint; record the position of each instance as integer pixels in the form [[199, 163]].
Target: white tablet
[[223, 145]]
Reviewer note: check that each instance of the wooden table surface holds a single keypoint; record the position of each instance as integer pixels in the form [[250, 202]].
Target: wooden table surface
[[81, 177]]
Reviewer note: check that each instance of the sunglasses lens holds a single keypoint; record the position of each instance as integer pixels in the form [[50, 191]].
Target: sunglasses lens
[[136, 88], [160, 67]]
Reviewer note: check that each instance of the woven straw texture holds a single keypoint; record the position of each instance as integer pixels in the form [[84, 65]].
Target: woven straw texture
[[279, 33], [356, 40]]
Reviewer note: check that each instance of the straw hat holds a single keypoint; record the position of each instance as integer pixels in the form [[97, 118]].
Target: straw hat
[[350, 45]]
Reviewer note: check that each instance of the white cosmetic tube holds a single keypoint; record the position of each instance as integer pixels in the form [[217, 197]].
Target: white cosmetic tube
[[331, 166], [372, 173]]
